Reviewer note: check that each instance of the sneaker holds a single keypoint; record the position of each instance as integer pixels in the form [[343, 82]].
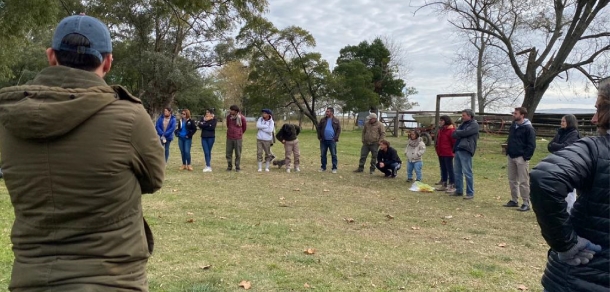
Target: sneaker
[[287, 170], [334, 171], [450, 189], [456, 194], [297, 169], [321, 170], [189, 168], [442, 188], [524, 208], [469, 197], [207, 169], [266, 169], [229, 168], [512, 203], [260, 170], [387, 175], [237, 169], [409, 180], [359, 170], [391, 176]]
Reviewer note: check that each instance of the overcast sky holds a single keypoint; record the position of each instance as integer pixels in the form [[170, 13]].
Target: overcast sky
[[428, 39]]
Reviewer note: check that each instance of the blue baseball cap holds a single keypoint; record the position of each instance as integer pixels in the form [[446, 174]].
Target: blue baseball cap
[[89, 27]]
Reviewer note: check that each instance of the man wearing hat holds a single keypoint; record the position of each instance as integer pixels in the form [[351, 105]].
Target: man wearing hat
[[77, 155], [372, 133], [264, 139]]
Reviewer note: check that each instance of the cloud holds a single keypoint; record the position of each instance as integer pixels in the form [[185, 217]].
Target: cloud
[[428, 39]]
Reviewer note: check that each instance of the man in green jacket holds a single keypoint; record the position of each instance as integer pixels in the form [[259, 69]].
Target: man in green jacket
[[372, 134], [77, 155]]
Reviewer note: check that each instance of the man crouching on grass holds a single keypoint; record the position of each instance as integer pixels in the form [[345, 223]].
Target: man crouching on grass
[[77, 155], [388, 160]]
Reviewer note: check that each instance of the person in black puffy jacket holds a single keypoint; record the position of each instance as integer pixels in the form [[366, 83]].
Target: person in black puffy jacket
[[579, 258]]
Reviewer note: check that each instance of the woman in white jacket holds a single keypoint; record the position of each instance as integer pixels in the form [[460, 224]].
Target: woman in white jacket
[[264, 139]]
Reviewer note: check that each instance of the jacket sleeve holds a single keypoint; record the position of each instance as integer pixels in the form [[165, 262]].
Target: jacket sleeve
[[171, 127], [382, 134], [298, 129], [244, 124], [380, 156], [338, 131], [531, 144], [159, 127], [422, 149], [280, 135], [395, 157], [363, 133], [319, 129], [551, 181], [472, 129], [201, 124], [553, 145], [148, 162]]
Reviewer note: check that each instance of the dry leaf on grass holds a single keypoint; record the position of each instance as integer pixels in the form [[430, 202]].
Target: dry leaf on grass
[[349, 220], [245, 284], [444, 222], [415, 227], [502, 244], [190, 220], [522, 287], [326, 191], [282, 198], [189, 213], [297, 190], [174, 191], [310, 251], [283, 204], [467, 238], [306, 285], [390, 217], [206, 267], [479, 216], [448, 217]]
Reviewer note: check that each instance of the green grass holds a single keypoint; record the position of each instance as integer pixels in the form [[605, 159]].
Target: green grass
[[255, 227]]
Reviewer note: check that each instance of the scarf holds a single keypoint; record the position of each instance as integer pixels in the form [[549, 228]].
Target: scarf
[[237, 119], [414, 143]]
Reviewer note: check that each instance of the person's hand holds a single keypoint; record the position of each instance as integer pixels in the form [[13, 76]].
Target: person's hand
[[381, 164], [580, 254]]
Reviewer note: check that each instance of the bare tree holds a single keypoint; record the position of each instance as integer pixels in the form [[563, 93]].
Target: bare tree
[[570, 35]]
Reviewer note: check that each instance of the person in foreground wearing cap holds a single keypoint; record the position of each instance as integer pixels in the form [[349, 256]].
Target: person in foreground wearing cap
[[372, 133], [264, 139], [579, 255], [77, 155]]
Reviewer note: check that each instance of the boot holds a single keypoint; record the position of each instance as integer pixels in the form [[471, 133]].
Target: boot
[[267, 166], [260, 166], [442, 188], [189, 168], [450, 188], [183, 167]]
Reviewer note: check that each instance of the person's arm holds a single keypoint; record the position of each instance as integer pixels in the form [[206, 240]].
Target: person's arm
[[338, 131], [363, 133], [471, 129], [244, 124], [298, 129], [530, 146], [553, 145], [422, 149], [159, 127], [551, 181], [192, 129], [395, 156], [201, 124], [380, 156], [148, 162], [210, 125], [171, 127], [382, 132], [280, 135]]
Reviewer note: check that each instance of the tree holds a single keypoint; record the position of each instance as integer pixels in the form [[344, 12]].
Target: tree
[[283, 68], [571, 34], [367, 80], [231, 80], [482, 63]]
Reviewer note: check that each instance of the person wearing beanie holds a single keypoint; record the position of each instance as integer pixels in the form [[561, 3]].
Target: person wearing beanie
[[264, 139]]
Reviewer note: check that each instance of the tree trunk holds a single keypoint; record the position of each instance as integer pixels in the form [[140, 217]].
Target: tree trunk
[[533, 95]]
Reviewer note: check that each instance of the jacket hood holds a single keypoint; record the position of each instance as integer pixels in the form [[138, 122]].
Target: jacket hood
[[54, 103], [526, 122]]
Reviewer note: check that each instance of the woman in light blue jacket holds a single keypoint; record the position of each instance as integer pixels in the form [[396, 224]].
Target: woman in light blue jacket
[[264, 139]]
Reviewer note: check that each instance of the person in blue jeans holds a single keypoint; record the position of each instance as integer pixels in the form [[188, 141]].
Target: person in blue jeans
[[185, 131], [329, 129], [415, 151], [207, 124], [467, 135], [166, 125]]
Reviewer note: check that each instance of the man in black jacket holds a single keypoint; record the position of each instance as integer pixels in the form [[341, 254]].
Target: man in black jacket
[[388, 160], [579, 258], [520, 149], [288, 136]]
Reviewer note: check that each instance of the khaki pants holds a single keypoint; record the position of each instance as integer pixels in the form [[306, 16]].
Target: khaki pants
[[290, 148], [519, 179], [262, 145]]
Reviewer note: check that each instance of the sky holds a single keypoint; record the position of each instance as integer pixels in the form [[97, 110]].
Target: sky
[[428, 39]]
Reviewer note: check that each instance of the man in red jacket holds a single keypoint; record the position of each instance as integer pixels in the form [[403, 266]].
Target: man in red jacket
[[236, 126]]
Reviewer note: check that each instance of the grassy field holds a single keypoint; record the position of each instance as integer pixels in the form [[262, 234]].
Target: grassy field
[[366, 233]]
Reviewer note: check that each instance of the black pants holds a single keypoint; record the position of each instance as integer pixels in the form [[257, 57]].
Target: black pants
[[447, 174], [389, 169]]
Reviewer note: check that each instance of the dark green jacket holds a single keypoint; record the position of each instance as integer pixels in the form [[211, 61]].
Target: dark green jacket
[[77, 155]]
